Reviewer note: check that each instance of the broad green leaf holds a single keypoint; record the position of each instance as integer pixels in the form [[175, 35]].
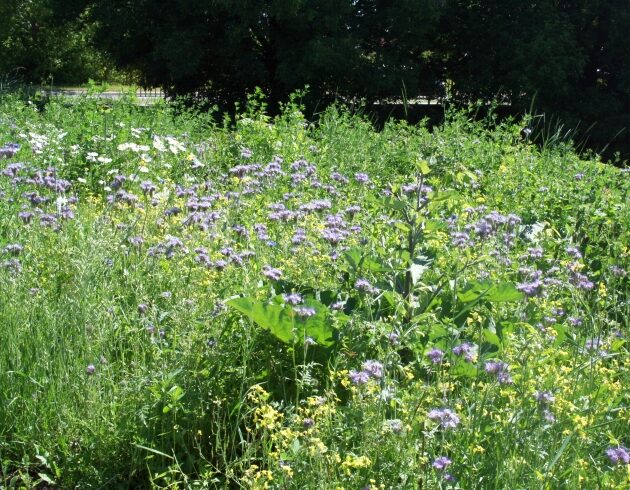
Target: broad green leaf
[[353, 257], [491, 338], [444, 195], [433, 225], [423, 167], [438, 331], [504, 292], [284, 323], [274, 318], [46, 478], [416, 272], [357, 260], [495, 293], [392, 203], [463, 368], [473, 290]]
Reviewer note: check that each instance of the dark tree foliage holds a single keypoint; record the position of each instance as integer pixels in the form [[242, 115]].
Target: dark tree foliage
[[568, 59], [222, 49], [398, 41], [48, 40], [601, 96], [511, 49]]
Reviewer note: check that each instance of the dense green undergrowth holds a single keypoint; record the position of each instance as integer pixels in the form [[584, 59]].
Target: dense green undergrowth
[[262, 303]]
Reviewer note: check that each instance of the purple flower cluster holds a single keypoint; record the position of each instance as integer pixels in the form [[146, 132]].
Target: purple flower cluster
[[12, 170], [148, 187], [499, 369], [292, 298], [373, 368], [466, 350], [490, 225], [365, 286], [51, 209], [593, 346], [441, 463], [168, 248], [618, 271], [370, 370], [243, 170], [13, 249], [580, 281], [9, 150], [545, 399], [358, 377], [461, 239], [534, 253], [335, 229], [271, 273], [534, 286], [394, 425], [362, 178], [435, 355], [618, 455], [446, 418], [304, 311], [574, 252]]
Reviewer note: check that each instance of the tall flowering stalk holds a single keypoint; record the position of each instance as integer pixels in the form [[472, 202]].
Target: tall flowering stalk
[[413, 217]]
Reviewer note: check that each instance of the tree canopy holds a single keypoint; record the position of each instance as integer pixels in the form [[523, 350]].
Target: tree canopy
[[567, 58]]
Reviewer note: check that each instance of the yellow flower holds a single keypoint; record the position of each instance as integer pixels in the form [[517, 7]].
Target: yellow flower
[[287, 470], [267, 417], [257, 393], [353, 462], [316, 446]]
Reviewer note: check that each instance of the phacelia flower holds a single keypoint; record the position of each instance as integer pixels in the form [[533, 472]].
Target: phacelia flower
[[544, 397], [441, 463], [364, 285], [358, 377], [446, 418], [500, 370], [362, 178], [466, 350], [373, 368], [435, 355], [533, 288], [272, 273], [304, 311], [618, 455], [292, 298]]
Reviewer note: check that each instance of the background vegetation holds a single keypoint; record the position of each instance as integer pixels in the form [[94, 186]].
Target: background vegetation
[[568, 60]]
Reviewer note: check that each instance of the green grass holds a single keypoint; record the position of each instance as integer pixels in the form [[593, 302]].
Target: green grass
[[144, 348]]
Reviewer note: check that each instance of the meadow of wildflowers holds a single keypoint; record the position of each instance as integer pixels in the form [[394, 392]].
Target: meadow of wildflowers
[[268, 303]]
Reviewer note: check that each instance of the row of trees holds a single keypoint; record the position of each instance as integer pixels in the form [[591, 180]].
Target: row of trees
[[42, 41], [570, 58]]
